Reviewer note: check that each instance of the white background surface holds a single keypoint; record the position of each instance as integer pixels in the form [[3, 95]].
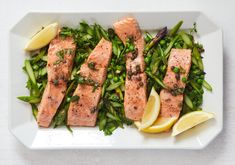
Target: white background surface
[[220, 151]]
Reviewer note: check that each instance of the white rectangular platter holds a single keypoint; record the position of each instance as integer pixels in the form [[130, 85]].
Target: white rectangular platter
[[24, 127]]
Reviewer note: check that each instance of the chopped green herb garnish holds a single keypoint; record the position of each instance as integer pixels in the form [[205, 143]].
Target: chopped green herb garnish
[[60, 54], [92, 65], [74, 98], [194, 29], [175, 69], [55, 82], [184, 79]]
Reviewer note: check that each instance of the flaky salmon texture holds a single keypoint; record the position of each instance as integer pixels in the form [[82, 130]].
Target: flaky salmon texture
[[172, 98], [136, 81], [60, 61], [83, 112]]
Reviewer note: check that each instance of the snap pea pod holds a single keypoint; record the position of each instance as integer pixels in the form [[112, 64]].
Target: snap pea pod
[[40, 56], [171, 44], [197, 55], [34, 110], [111, 116], [119, 91], [45, 58], [155, 61], [207, 85], [194, 61], [162, 55], [175, 29], [30, 99], [116, 104], [113, 86], [156, 79], [30, 72], [188, 101], [186, 39], [148, 37], [102, 121]]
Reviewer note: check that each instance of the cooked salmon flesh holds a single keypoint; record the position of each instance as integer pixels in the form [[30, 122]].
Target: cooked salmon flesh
[[172, 98], [135, 86], [60, 61], [83, 112]]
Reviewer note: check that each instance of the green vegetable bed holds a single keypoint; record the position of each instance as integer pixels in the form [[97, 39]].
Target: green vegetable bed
[[111, 110]]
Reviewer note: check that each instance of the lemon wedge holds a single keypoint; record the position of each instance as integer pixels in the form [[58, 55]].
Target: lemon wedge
[[43, 37], [190, 120], [160, 125], [151, 110]]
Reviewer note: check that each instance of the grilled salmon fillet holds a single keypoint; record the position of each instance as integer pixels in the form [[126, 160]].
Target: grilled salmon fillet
[[60, 61], [84, 112], [172, 98], [135, 94]]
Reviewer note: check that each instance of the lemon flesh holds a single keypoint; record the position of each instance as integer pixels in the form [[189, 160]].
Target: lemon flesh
[[162, 124], [190, 120], [151, 110], [43, 37]]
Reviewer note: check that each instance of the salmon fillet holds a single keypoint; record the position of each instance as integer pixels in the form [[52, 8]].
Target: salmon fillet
[[60, 61], [135, 95], [99, 58], [171, 98], [84, 112]]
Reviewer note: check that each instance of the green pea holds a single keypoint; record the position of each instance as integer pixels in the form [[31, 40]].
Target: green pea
[[118, 67], [176, 69], [35, 67], [115, 79], [184, 79], [162, 42], [147, 69], [131, 48], [68, 99], [199, 81], [147, 60], [202, 76], [162, 68], [110, 76], [124, 75]]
